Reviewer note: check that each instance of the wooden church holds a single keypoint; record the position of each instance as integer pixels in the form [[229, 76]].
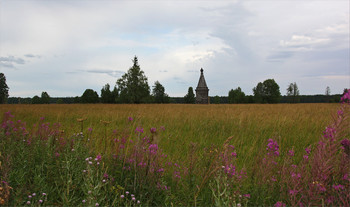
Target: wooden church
[[202, 91]]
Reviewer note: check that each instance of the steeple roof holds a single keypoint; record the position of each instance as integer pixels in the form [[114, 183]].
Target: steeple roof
[[201, 82]]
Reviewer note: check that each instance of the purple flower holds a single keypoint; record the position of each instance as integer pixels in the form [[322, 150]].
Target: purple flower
[[44, 194], [98, 157], [338, 187], [153, 149], [83, 201], [291, 153], [105, 175], [162, 128], [346, 144], [280, 204], [139, 129], [130, 118], [246, 195], [153, 130], [28, 202], [308, 150], [97, 204], [122, 196], [57, 154], [40, 201], [127, 192], [90, 129], [34, 194], [133, 198]]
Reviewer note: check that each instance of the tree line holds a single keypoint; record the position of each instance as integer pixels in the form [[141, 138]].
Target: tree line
[[133, 88]]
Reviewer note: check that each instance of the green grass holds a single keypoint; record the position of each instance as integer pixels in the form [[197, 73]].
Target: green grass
[[193, 137]]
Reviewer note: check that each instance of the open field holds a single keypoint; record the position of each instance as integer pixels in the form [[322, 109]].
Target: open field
[[194, 137], [297, 125]]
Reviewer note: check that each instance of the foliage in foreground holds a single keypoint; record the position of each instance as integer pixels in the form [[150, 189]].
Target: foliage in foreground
[[44, 165]]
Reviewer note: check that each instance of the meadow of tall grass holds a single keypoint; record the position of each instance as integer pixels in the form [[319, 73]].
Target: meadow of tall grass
[[187, 155]]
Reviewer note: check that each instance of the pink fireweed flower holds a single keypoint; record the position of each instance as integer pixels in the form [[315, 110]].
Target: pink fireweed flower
[[153, 130], [280, 204], [338, 187], [272, 146], [98, 157], [308, 150], [246, 195], [153, 149], [139, 130], [291, 153]]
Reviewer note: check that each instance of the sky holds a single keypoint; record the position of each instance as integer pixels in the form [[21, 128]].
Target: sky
[[64, 47]]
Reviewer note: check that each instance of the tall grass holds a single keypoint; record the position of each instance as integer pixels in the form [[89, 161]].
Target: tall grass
[[174, 155]]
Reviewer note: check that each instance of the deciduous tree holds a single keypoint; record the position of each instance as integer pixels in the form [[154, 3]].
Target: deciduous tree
[[236, 96], [267, 92], [89, 96], [293, 93]]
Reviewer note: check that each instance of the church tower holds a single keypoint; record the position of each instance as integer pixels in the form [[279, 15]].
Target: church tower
[[202, 91]]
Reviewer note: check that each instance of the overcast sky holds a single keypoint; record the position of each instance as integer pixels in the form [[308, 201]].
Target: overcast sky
[[66, 46]]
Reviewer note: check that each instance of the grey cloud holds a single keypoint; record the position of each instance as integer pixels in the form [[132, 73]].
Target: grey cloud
[[163, 71], [32, 56], [11, 59], [113, 73]]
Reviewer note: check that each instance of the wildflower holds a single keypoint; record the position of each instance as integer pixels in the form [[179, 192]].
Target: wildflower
[[138, 202], [97, 204], [57, 154], [90, 163], [291, 153], [98, 163], [340, 113], [73, 150], [139, 129], [84, 201], [122, 196], [34, 194], [98, 157], [239, 204], [28, 202], [160, 170], [280, 204], [105, 175], [246, 195], [133, 198], [40, 201], [153, 130], [90, 129], [273, 179], [44, 194], [29, 196], [306, 157], [162, 128], [103, 180], [89, 192], [130, 118], [153, 148], [127, 192], [338, 187]]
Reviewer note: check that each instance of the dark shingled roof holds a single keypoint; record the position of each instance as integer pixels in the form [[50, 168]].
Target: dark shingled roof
[[201, 82]]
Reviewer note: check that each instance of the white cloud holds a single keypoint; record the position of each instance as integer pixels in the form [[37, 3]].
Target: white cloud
[[86, 44]]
